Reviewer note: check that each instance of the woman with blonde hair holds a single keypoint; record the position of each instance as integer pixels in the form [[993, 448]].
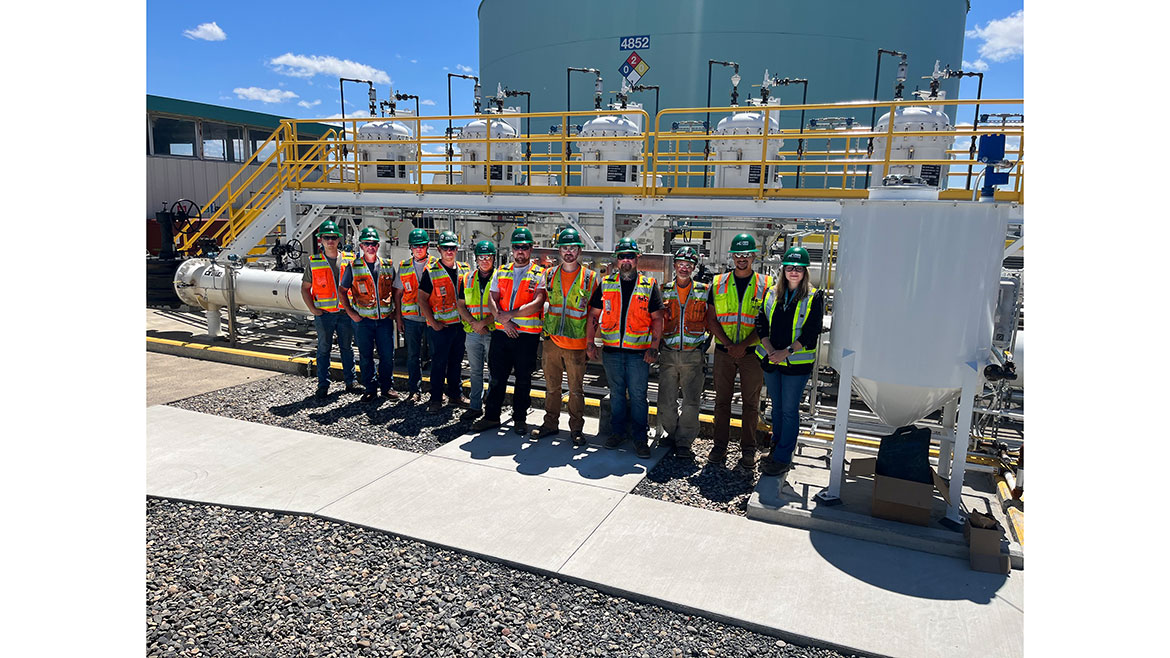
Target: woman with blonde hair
[[788, 325]]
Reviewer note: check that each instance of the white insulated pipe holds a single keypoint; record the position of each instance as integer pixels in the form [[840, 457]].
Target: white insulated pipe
[[200, 282]]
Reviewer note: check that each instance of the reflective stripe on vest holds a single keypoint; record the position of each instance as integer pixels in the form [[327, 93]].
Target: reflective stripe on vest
[[374, 301], [475, 299], [410, 285], [443, 291], [566, 317], [685, 328], [637, 316], [737, 319], [800, 357], [324, 287], [528, 324]]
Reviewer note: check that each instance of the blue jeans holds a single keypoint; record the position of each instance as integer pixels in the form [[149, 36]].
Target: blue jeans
[[477, 351], [380, 334], [785, 392], [628, 375], [326, 324], [446, 361], [415, 333]]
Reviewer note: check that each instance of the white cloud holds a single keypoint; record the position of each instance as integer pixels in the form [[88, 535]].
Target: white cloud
[[426, 101], [264, 95], [1003, 38], [465, 69], [308, 106], [446, 68], [977, 65], [414, 61], [207, 32], [426, 130], [307, 66]]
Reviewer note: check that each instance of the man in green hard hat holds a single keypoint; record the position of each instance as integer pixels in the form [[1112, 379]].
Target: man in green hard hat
[[517, 300], [437, 294], [411, 323], [626, 309], [684, 337], [570, 287], [319, 289], [369, 284], [473, 306], [735, 299]]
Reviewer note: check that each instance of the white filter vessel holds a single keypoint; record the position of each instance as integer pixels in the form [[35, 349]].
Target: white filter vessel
[[397, 145], [922, 147], [199, 282], [746, 123], [611, 126], [915, 294], [502, 174]]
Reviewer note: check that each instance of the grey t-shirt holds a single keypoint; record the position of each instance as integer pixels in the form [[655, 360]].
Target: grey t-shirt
[[420, 266]]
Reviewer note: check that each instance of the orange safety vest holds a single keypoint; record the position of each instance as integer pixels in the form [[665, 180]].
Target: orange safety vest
[[443, 292], [638, 320], [373, 302], [685, 331], [410, 285], [528, 324], [324, 287]]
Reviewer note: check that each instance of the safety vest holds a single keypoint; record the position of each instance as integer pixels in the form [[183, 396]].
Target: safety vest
[[809, 353], [476, 301], [324, 287], [738, 316], [410, 285], [637, 335], [685, 329], [370, 301], [443, 292], [528, 324], [566, 316]]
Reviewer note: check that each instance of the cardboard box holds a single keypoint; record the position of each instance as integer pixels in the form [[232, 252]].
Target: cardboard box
[[986, 546], [895, 499]]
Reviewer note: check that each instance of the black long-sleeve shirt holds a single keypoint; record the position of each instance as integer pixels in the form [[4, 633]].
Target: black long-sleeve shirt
[[778, 329]]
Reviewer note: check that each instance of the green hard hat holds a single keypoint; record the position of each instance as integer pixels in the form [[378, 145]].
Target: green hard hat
[[522, 235], [796, 256], [687, 253], [448, 239], [743, 243], [328, 227], [625, 246], [485, 248], [569, 237], [419, 238], [369, 234]]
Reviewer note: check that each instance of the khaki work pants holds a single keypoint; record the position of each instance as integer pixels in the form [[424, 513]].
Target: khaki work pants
[[751, 380], [680, 372], [558, 361]]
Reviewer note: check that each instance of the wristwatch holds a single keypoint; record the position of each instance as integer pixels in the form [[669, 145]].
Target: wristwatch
[[790, 350]]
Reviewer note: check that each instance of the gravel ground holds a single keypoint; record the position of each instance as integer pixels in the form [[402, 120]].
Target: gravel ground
[[226, 582], [287, 401], [695, 482]]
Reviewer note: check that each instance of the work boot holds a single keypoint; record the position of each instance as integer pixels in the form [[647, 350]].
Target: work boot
[[578, 439], [458, 401], [772, 467], [543, 431], [642, 448], [435, 404], [322, 393], [520, 426], [369, 396], [717, 455], [747, 462], [485, 423], [473, 413], [390, 394], [613, 442], [668, 441], [354, 388], [684, 452]]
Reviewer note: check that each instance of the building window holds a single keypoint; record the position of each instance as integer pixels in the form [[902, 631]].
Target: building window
[[174, 137], [257, 137], [222, 142]]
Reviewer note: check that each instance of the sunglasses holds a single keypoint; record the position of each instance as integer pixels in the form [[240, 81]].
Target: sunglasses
[[521, 247], [330, 237], [369, 244], [486, 257], [627, 257], [448, 248], [793, 268]]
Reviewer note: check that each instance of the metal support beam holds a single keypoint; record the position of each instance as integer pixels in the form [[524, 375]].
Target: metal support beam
[[574, 220], [609, 223], [946, 445], [1016, 246], [832, 494], [647, 222], [962, 438]]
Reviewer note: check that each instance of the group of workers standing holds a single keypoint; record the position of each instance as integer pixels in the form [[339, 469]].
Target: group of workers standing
[[764, 330]]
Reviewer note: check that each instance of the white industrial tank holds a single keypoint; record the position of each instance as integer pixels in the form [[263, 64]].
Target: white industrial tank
[[501, 128], [200, 282], [396, 145], [915, 292], [921, 147], [746, 123], [613, 175]]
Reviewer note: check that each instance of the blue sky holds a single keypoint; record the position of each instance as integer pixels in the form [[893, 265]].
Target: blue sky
[[287, 61]]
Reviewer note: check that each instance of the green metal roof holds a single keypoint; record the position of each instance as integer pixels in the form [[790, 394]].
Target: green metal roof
[[232, 115]]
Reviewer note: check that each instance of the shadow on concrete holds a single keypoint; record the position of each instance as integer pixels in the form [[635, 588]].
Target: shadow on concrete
[[537, 458], [908, 572]]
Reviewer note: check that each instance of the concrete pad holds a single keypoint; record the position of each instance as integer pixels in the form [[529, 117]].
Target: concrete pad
[[170, 378], [206, 458], [554, 456], [535, 522], [808, 586]]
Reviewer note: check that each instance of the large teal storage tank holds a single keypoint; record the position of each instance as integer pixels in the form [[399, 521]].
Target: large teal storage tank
[[528, 44]]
